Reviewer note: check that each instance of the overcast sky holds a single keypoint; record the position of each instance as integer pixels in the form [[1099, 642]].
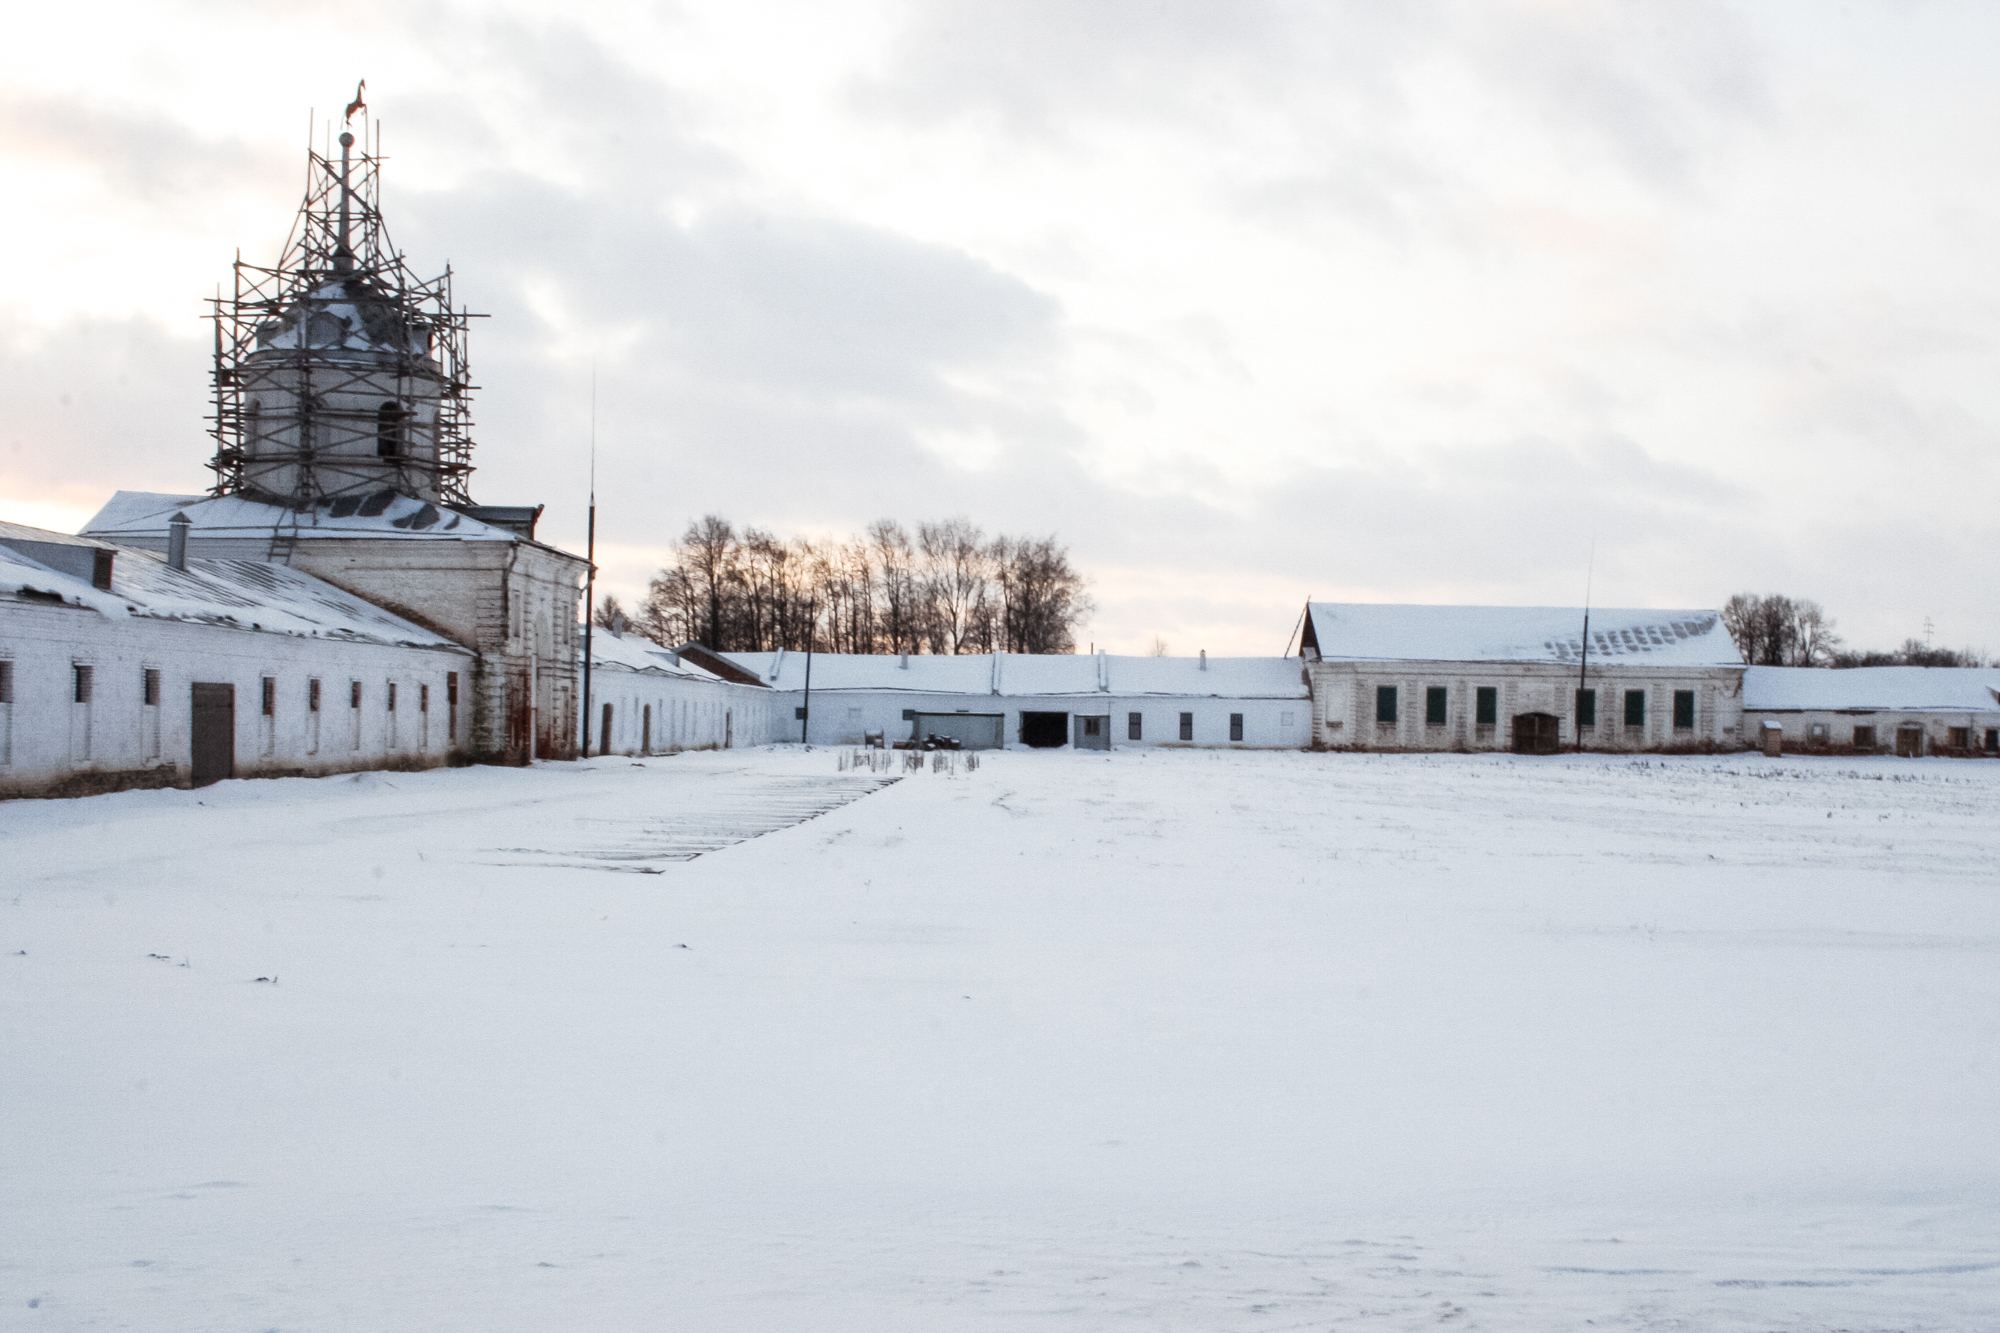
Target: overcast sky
[[1245, 301]]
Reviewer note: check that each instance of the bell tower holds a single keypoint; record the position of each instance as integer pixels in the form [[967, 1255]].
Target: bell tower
[[339, 374]]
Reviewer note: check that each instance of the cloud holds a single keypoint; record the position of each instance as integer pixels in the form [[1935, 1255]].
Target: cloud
[[135, 152]]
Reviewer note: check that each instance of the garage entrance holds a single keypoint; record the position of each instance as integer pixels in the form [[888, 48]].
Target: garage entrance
[[1536, 733], [973, 731], [1044, 731], [1092, 733], [213, 756]]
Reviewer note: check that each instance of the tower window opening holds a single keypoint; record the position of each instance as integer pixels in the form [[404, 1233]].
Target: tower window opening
[[389, 430]]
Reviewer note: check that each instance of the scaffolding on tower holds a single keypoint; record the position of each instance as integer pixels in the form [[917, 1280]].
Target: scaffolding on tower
[[339, 373]]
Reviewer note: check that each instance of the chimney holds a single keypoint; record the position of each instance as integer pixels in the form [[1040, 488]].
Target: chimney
[[177, 542], [1204, 659]]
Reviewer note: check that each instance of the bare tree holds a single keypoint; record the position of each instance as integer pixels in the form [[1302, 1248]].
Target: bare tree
[[949, 591], [1159, 648], [1777, 630], [610, 615]]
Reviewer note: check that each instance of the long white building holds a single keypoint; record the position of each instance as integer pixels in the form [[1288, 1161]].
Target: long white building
[[645, 699], [1877, 710], [996, 700], [120, 670]]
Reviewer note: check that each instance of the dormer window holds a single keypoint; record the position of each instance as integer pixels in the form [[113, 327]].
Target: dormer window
[[389, 430]]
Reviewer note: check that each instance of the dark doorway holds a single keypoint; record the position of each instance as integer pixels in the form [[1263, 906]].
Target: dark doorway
[[1910, 742], [1536, 733], [213, 756], [604, 734], [1044, 731]]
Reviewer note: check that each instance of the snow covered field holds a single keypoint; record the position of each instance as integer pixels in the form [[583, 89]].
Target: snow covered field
[[1165, 1040]]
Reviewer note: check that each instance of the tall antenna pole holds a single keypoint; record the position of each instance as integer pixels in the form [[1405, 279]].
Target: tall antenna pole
[[1590, 573], [590, 569]]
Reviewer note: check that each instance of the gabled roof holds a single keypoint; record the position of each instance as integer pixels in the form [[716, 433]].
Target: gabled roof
[[140, 518], [234, 594], [1030, 674], [1384, 632], [1890, 689], [611, 651]]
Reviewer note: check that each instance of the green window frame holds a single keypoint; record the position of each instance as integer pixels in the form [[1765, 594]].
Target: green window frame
[[1486, 705], [1635, 708], [1434, 706], [1385, 703], [1586, 708], [1683, 710]]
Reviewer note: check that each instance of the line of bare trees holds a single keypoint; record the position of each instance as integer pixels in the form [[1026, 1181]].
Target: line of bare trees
[[1776, 630], [947, 589]]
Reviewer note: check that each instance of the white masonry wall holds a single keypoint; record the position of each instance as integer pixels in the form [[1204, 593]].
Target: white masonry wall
[[661, 714], [844, 717], [51, 744], [1345, 715]]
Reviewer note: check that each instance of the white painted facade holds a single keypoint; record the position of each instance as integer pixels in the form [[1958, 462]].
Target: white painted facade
[[514, 602], [96, 683], [655, 703], [1877, 710], [1229, 703], [1387, 677]]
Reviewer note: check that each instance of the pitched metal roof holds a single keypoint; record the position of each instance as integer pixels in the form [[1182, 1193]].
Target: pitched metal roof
[[1386, 632]]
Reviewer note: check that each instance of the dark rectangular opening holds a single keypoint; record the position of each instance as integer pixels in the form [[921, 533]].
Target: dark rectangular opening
[[100, 569], [1586, 708], [212, 751], [1683, 710], [1536, 733], [1187, 726], [149, 687], [1133, 727], [6, 682], [1864, 738], [354, 694], [1486, 706], [312, 696], [1044, 731], [269, 702], [86, 683], [1992, 739], [392, 696], [423, 698], [1961, 738], [1434, 706], [604, 732], [1236, 726], [1635, 708], [451, 688], [1385, 703]]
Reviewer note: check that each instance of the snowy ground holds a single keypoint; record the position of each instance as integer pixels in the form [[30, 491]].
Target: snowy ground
[[1140, 1041]]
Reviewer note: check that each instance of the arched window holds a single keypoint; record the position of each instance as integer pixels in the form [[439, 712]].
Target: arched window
[[388, 430]]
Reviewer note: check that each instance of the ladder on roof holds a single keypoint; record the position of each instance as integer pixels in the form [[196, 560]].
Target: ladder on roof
[[284, 540]]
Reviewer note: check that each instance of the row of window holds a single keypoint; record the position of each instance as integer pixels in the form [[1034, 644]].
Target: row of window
[[83, 682], [1486, 707]]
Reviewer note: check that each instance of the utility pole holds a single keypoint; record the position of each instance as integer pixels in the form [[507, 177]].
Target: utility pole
[[590, 570], [806, 721]]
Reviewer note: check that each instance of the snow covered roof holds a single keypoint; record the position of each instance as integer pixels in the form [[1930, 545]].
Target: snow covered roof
[[1890, 689], [619, 652], [238, 594], [1032, 674], [140, 518], [1374, 632]]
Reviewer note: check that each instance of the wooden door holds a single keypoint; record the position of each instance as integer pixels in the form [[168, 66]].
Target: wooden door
[[213, 747]]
